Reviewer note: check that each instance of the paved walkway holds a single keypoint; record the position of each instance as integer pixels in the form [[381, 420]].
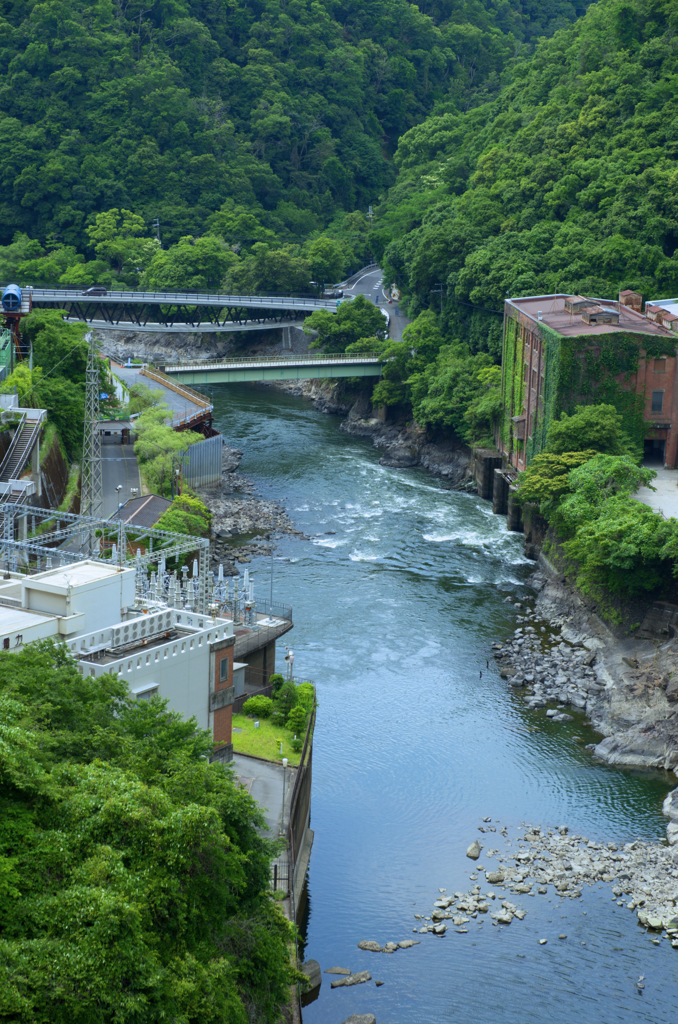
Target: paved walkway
[[263, 780], [181, 405], [665, 498]]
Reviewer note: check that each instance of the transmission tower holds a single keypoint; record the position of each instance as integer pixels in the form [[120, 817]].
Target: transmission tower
[[91, 491]]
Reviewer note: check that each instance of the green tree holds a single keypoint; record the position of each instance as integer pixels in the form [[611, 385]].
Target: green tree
[[327, 259], [160, 449], [186, 514], [353, 321], [193, 264], [134, 875], [595, 427], [115, 238]]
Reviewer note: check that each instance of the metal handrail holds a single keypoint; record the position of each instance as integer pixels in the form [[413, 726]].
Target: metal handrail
[[181, 298], [292, 360], [14, 443], [162, 378]]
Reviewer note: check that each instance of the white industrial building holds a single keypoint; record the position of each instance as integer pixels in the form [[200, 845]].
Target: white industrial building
[[184, 656]]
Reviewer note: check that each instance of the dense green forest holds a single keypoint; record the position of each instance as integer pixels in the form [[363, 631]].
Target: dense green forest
[[250, 121], [133, 877], [566, 181]]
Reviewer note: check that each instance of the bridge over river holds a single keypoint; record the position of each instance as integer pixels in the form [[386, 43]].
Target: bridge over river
[[179, 311], [261, 368]]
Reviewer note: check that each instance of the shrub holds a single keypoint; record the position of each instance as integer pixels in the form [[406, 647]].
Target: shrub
[[297, 744], [277, 681], [285, 701], [591, 426], [296, 720], [260, 706], [306, 696]]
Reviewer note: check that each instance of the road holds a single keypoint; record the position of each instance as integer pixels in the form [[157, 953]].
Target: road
[[118, 466], [371, 285]]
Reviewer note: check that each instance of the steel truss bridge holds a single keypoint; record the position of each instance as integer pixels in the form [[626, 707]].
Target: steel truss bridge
[[179, 311], [261, 368]]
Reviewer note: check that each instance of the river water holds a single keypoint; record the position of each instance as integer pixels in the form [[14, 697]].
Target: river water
[[397, 598]]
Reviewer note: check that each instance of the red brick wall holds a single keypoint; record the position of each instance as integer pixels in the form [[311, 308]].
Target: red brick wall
[[223, 717], [223, 724]]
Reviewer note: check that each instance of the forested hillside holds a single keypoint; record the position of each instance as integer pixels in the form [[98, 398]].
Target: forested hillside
[[568, 180], [253, 120]]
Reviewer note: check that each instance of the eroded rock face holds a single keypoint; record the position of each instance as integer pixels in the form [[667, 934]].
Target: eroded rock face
[[621, 683]]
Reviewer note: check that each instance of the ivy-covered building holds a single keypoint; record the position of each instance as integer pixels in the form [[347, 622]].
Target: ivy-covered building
[[560, 351]]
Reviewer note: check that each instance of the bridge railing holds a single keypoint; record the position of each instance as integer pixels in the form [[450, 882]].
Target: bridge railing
[[181, 298], [181, 389], [295, 360]]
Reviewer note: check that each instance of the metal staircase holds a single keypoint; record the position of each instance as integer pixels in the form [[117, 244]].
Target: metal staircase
[[21, 448]]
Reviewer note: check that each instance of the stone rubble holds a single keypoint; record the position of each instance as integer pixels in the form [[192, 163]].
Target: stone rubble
[[627, 688], [243, 525], [643, 877]]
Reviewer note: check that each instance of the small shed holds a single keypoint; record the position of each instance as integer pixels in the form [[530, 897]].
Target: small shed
[[576, 304], [600, 315], [632, 299]]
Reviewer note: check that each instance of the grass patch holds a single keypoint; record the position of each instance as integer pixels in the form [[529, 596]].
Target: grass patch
[[47, 440], [264, 741]]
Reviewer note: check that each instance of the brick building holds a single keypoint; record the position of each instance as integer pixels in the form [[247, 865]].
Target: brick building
[[560, 351]]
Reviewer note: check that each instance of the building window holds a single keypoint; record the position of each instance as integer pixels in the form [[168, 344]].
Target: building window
[[660, 365], [534, 380], [657, 401], [5, 644], [223, 670], [19, 639], [147, 694]]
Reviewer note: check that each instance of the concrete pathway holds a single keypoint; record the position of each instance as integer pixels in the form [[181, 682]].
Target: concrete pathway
[[118, 466], [665, 498], [263, 780], [180, 405]]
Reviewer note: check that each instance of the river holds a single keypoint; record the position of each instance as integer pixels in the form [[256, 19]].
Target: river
[[397, 598]]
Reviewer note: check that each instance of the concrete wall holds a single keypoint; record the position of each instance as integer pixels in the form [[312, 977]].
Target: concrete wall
[[485, 461]]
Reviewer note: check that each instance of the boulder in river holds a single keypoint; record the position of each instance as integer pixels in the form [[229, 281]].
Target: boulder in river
[[374, 947], [474, 850], [353, 979], [337, 970], [361, 1018], [494, 877], [406, 943]]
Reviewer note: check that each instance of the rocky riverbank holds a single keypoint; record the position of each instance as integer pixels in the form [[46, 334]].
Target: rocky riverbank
[[244, 524], [404, 445], [563, 658]]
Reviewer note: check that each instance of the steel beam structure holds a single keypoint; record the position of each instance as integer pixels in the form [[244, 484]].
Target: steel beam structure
[[145, 310]]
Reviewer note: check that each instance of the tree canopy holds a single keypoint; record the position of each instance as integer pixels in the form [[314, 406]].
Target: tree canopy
[[564, 182], [244, 119], [133, 876]]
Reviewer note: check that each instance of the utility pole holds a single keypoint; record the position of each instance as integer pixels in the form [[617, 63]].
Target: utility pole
[[91, 491]]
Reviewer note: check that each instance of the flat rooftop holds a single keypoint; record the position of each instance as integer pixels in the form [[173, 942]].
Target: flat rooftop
[[14, 620], [670, 305], [75, 575], [550, 309]]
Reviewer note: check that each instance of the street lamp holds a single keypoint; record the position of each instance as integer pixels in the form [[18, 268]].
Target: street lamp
[[282, 814]]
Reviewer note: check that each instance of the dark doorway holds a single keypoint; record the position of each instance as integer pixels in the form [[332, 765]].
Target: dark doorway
[[654, 452]]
